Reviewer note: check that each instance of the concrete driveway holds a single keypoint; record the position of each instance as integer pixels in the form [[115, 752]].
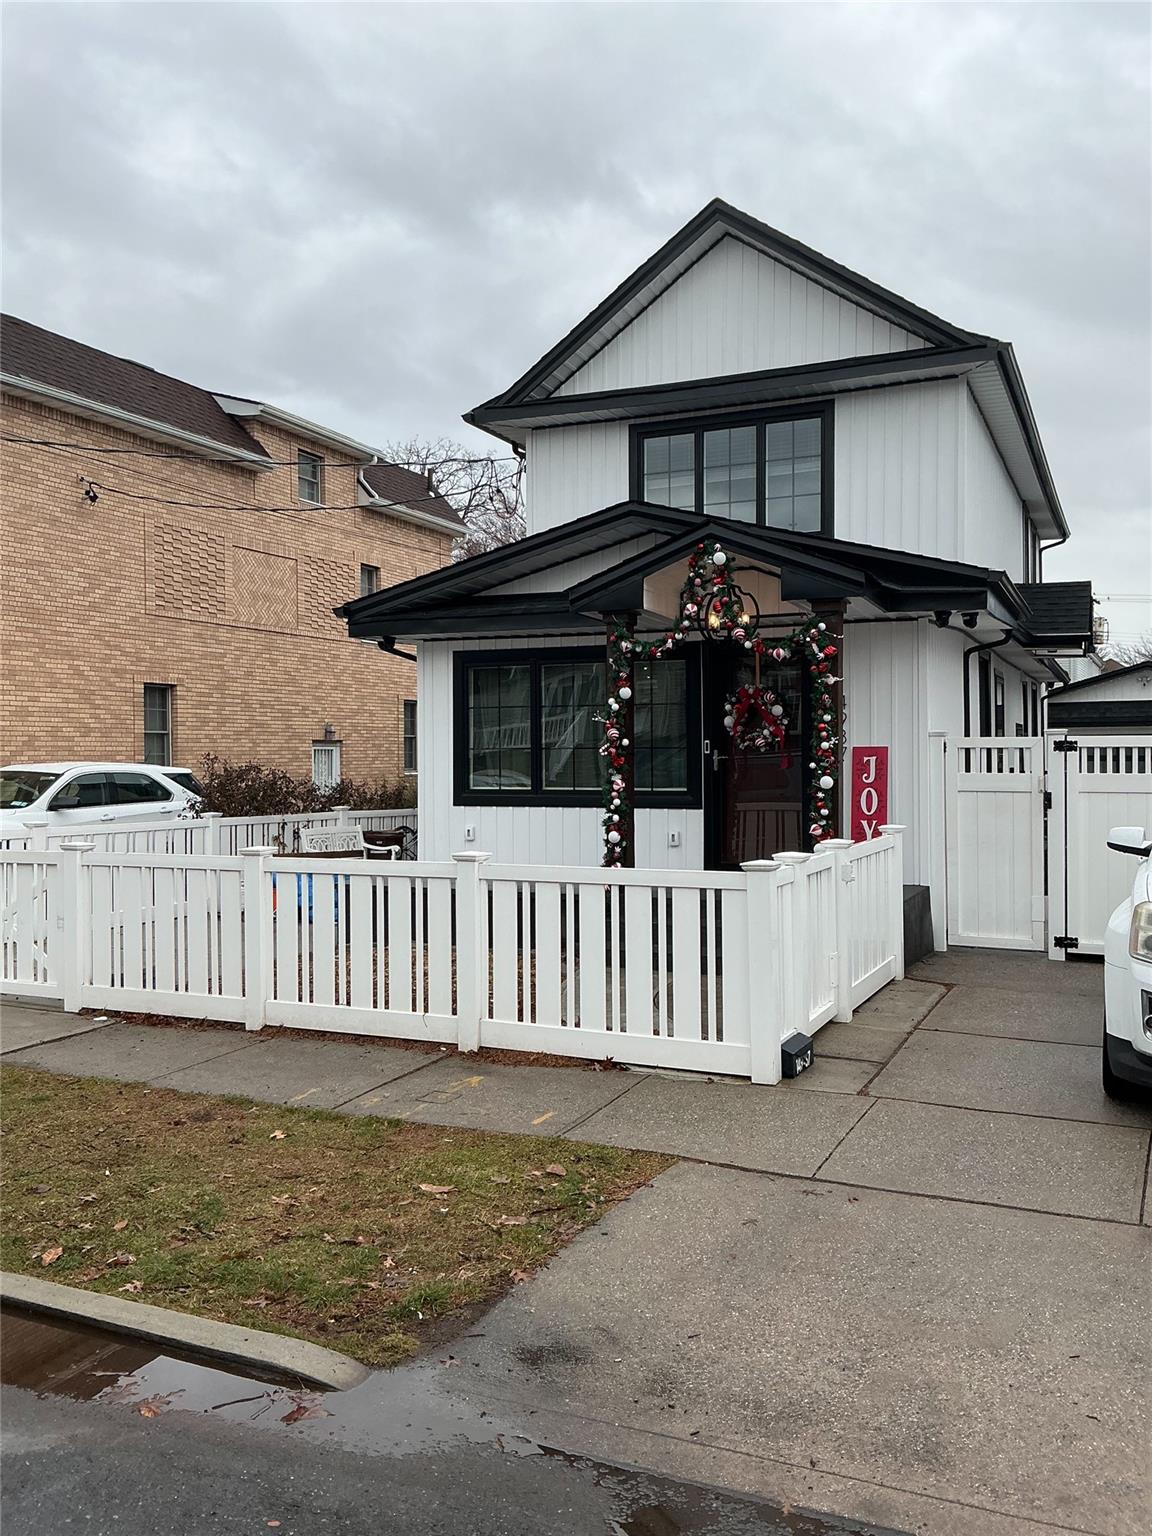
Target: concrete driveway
[[909, 1288]]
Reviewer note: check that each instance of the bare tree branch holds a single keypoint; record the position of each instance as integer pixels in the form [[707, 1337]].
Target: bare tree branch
[[488, 494]]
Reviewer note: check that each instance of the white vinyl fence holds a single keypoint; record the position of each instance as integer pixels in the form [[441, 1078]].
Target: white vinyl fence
[[1097, 782], [995, 842], [209, 833], [693, 970]]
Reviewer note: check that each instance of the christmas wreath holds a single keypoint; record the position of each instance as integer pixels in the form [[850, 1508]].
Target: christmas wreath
[[755, 720]]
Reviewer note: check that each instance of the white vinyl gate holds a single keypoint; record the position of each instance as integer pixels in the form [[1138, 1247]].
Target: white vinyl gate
[[994, 793], [1096, 782]]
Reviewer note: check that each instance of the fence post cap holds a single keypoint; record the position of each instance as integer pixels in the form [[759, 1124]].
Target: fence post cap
[[793, 858], [76, 844], [759, 866], [470, 858], [211, 815], [259, 850], [893, 826], [837, 842], [336, 808]]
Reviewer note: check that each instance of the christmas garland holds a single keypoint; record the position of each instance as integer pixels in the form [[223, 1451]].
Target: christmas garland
[[711, 601], [755, 719]]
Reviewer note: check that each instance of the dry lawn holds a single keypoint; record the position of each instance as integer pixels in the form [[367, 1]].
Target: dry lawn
[[371, 1236]]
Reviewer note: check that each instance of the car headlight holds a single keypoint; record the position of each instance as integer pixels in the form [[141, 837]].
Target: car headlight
[[1140, 933]]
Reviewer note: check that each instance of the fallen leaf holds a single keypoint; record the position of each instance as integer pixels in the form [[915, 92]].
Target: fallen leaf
[[39, 1189], [408, 1201], [520, 1275], [498, 1178], [557, 1170], [118, 1226], [50, 1255], [119, 1259], [134, 1287], [304, 1410], [436, 1189], [277, 1136], [153, 1407], [512, 1221], [87, 1199], [283, 1200]]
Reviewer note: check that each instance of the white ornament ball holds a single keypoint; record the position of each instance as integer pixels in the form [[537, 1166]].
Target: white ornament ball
[[823, 812], [821, 626], [613, 706], [747, 645], [719, 558], [729, 722], [827, 782], [683, 623], [615, 803], [811, 765], [625, 742], [826, 717], [777, 710], [625, 693], [613, 837], [615, 818]]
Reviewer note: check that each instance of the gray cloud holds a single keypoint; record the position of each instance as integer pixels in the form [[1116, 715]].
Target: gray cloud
[[380, 214]]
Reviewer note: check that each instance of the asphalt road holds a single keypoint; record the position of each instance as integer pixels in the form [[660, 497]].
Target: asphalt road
[[102, 1469]]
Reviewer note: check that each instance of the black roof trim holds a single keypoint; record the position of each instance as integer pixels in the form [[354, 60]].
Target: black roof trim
[[737, 388], [725, 219], [1060, 609], [1086, 713], [1101, 677]]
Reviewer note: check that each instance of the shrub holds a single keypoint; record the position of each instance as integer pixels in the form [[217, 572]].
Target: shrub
[[251, 789]]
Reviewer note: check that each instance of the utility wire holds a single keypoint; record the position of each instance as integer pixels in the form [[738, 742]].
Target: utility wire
[[415, 465]]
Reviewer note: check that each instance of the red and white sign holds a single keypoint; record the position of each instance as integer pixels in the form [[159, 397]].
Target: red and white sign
[[869, 792]]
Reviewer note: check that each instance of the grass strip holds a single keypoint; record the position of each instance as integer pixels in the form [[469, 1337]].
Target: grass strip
[[375, 1237]]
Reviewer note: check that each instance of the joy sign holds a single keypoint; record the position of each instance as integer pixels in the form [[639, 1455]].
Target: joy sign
[[869, 792]]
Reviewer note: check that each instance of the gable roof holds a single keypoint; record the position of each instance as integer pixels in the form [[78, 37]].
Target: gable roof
[[1117, 674], [715, 222], [31, 355], [409, 488]]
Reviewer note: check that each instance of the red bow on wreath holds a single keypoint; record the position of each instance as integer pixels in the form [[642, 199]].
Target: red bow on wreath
[[755, 719]]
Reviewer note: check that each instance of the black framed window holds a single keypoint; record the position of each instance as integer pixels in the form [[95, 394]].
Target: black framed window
[[309, 477], [527, 732], [410, 736], [998, 705], [774, 468]]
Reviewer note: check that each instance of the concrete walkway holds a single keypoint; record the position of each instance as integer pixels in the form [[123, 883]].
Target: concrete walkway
[[906, 1288]]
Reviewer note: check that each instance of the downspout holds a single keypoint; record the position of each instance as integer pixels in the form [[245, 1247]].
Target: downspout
[[972, 650]]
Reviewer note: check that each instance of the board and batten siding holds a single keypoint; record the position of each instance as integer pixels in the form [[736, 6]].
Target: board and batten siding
[[552, 836], [736, 311], [575, 470], [992, 519], [558, 578]]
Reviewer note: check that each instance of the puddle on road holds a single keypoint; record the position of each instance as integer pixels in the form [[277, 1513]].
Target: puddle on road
[[393, 1413]]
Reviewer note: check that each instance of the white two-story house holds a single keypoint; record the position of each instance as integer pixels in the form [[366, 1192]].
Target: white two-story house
[[855, 462]]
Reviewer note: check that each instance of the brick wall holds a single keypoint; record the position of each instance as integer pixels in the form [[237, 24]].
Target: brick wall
[[230, 607]]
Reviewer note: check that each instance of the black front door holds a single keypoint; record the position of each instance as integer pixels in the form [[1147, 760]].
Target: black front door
[[753, 801]]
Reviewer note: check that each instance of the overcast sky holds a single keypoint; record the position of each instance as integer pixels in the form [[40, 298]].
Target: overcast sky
[[378, 215]]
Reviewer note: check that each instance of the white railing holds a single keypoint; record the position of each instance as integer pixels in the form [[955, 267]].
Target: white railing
[[209, 833], [693, 970]]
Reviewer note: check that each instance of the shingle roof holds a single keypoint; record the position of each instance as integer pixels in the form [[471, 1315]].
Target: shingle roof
[[1058, 607], [42, 357], [409, 489]]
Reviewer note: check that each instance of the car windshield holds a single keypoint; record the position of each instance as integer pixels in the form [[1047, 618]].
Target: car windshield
[[186, 780], [21, 787]]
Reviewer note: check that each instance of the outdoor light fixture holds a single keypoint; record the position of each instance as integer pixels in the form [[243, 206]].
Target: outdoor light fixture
[[329, 731]]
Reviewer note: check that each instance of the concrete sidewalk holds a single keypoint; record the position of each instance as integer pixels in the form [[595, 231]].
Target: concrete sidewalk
[[905, 1288]]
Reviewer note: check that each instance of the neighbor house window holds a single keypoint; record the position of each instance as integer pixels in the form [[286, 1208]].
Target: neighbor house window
[[529, 731], [326, 772], [409, 735], [369, 580], [157, 723], [309, 477], [770, 469]]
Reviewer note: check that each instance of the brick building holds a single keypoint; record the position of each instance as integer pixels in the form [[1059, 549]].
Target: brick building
[[169, 563]]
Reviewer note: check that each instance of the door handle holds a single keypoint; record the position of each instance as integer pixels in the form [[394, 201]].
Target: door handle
[[717, 758]]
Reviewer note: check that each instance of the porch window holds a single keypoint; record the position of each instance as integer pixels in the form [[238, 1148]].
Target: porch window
[[774, 468], [527, 730]]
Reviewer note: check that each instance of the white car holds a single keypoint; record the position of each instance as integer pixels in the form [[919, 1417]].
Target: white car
[[84, 794], [1128, 974]]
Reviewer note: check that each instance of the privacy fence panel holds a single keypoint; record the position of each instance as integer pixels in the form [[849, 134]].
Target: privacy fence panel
[[1097, 782], [995, 842]]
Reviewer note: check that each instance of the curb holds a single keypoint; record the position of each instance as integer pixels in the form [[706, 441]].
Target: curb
[[196, 1335]]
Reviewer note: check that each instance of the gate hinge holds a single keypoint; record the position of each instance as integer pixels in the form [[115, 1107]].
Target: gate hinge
[[1065, 941], [1064, 745], [1047, 799]]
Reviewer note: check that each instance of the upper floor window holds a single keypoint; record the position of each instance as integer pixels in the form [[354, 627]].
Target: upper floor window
[[309, 477], [369, 580], [157, 723], [773, 470]]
